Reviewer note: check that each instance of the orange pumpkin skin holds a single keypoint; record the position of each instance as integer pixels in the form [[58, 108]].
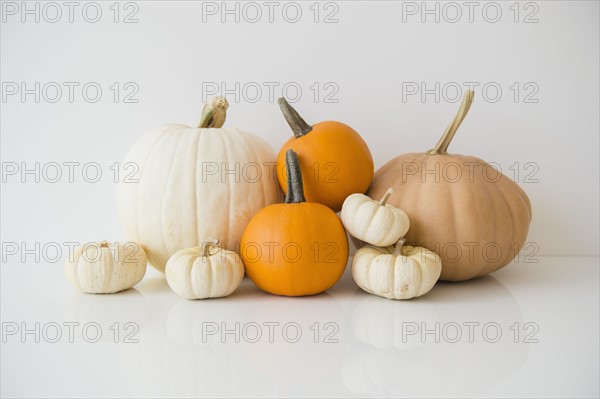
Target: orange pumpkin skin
[[477, 223], [334, 159], [295, 249]]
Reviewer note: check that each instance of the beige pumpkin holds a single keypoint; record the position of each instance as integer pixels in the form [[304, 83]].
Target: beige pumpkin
[[106, 268], [396, 272], [374, 222], [195, 184], [204, 272], [459, 206]]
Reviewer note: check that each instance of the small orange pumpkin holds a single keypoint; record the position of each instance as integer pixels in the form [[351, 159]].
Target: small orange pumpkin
[[297, 248], [334, 159]]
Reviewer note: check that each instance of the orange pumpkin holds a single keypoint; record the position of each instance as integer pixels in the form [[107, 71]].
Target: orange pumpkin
[[297, 248], [334, 159]]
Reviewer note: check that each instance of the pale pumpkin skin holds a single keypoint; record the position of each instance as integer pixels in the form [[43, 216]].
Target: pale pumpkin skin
[[178, 202], [396, 272], [374, 222], [204, 272], [478, 213], [106, 268]]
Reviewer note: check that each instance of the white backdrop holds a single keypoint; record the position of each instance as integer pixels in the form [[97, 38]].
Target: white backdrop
[[535, 112]]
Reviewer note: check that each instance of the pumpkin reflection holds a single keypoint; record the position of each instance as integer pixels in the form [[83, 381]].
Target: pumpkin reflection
[[382, 364]]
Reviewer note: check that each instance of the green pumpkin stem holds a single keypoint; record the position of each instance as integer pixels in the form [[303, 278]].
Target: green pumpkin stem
[[214, 113], [293, 118], [295, 189], [441, 147]]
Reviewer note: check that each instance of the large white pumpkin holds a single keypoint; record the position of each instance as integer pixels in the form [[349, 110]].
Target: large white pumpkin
[[195, 184]]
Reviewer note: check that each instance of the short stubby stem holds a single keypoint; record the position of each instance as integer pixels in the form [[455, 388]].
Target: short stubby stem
[[293, 118], [214, 113], [206, 248]]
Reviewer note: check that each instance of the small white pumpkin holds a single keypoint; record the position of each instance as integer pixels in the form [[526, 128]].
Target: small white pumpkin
[[105, 268], [372, 221], [204, 272], [396, 272]]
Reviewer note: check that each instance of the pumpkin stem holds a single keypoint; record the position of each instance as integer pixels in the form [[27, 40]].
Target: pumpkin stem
[[213, 113], [295, 189], [441, 147], [206, 247], [293, 118], [398, 247], [104, 244], [386, 196]]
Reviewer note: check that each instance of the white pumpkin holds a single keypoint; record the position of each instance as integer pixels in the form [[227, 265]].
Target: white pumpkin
[[194, 184], [372, 221], [204, 272], [399, 272], [105, 268]]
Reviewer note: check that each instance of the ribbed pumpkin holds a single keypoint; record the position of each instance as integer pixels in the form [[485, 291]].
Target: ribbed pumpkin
[[396, 272], [297, 248], [334, 159], [460, 207], [195, 185], [204, 272], [106, 268], [374, 222]]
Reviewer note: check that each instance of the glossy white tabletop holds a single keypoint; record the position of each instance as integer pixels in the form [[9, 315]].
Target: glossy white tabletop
[[527, 330]]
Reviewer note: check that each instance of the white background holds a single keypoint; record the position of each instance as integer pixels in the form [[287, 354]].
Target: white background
[[373, 50], [368, 54]]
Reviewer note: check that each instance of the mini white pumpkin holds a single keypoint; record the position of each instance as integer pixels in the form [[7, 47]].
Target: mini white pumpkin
[[372, 221], [195, 184], [204, 272], [105, 268], [396, 272]]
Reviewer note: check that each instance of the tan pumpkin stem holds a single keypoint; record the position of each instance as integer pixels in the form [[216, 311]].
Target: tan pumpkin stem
[[295, 189], [386, 196], [293, 118], [214, 113], [104, 244], [207, 247], [398, 247], [441, 147]]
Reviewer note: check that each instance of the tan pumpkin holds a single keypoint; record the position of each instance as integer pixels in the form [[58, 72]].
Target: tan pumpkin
[[460, 207]]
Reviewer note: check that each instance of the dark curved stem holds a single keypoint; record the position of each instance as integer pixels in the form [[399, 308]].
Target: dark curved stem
[[293, 118], [295, 189]]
